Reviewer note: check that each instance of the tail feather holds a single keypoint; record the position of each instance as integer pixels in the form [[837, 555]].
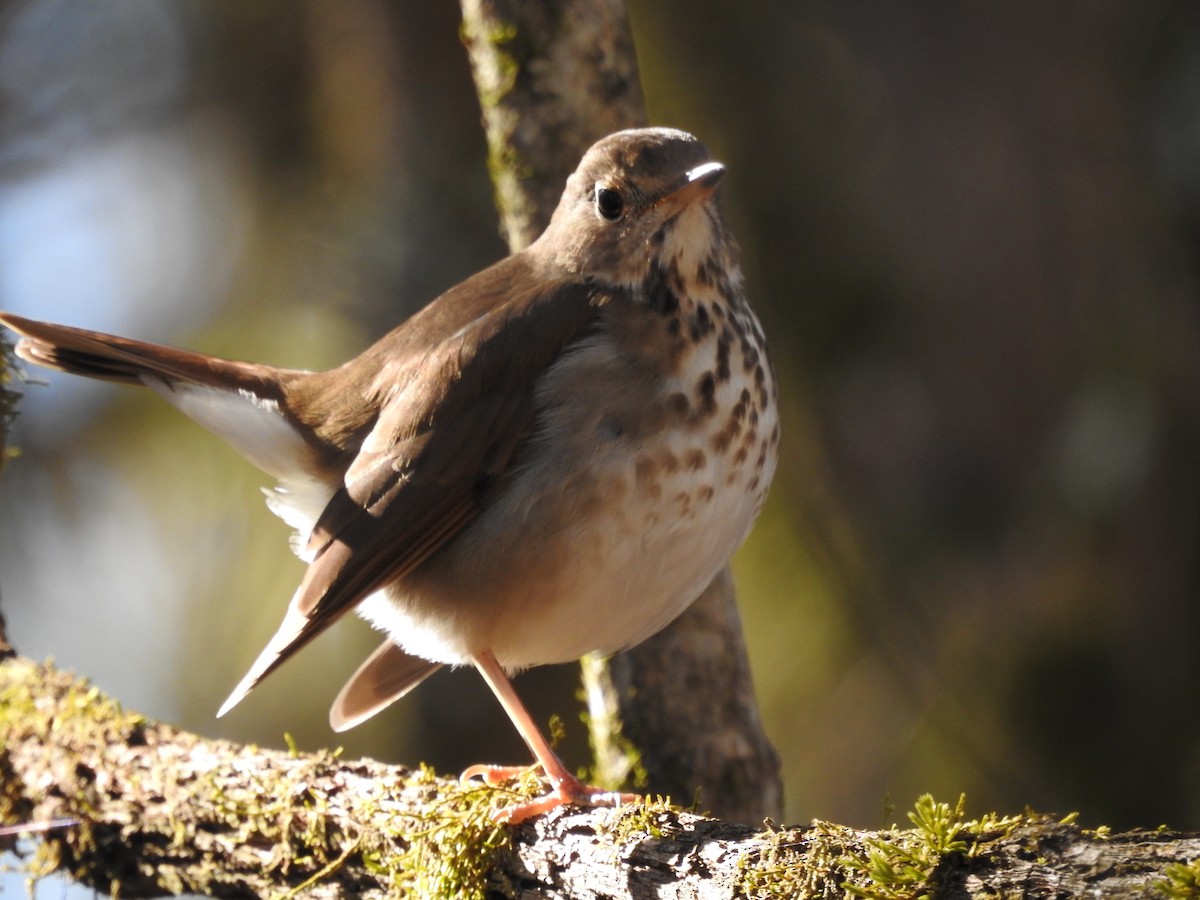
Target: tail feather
[[94, 354], [244, 403], [387, 675]]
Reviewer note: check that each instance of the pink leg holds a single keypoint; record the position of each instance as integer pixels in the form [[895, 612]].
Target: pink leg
[[566, 788]]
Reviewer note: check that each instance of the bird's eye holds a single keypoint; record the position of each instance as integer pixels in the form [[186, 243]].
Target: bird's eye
[[609, 203]]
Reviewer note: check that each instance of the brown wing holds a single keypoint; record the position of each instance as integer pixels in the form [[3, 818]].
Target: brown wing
[[449, 425], [387, 675]]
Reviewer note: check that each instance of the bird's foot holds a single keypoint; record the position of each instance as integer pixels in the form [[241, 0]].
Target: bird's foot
[[495, 776], [564, 791]]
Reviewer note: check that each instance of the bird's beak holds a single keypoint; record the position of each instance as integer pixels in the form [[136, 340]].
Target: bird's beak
[[697, 185]]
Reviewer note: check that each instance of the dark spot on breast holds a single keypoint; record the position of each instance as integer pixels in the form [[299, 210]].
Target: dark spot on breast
[[732, 297], [739, 328], [677, 404], [694, 460], [667, 227], [761, 462], [660, 296], [704, 493], [756, 328], [764, 398], [706, 389], [749, 357], [722, 440], [723, 373], [701, 324]]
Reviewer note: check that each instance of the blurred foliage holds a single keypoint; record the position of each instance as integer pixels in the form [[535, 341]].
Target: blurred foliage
[[972, 233]]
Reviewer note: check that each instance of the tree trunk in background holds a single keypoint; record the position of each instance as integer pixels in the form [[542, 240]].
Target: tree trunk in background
[[552, 78]]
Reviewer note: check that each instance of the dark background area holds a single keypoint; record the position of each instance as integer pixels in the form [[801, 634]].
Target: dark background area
[[970, 230]]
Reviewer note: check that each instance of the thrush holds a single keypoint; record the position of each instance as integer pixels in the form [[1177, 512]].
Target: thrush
[[552, 458]]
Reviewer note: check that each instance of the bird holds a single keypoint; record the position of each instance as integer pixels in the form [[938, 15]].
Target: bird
[[552, 458]]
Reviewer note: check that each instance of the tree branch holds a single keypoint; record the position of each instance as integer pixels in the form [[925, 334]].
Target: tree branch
[[553, 76], [156, 810]]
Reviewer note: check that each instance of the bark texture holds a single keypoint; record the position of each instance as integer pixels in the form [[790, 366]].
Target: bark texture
[[679, 712], [553, 78], [147, 809]]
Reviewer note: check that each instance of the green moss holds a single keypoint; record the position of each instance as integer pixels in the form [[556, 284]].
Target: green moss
[[799, 863], [81, 711], [420, 836], [451, 845], [304, 819], [632, 823], [500, 38], [446, 848], [498, 53], [899, 864], [1182, 881], [827, 860], [623, 769], [617, 760]]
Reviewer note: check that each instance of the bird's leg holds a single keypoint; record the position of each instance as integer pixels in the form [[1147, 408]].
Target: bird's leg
[[566, 789]]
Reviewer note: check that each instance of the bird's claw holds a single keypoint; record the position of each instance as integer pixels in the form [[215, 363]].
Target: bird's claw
[[494, 776], [568, 791]]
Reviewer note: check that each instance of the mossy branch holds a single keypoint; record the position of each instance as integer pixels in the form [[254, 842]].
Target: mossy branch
[[144, 809]]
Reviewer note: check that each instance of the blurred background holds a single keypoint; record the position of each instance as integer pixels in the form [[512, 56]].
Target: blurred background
[[972, 231]]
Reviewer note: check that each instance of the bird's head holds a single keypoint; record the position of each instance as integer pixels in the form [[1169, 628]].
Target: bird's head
[[638, 198]]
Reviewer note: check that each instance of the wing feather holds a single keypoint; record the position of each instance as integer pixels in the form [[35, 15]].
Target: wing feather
[[453, 424]]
